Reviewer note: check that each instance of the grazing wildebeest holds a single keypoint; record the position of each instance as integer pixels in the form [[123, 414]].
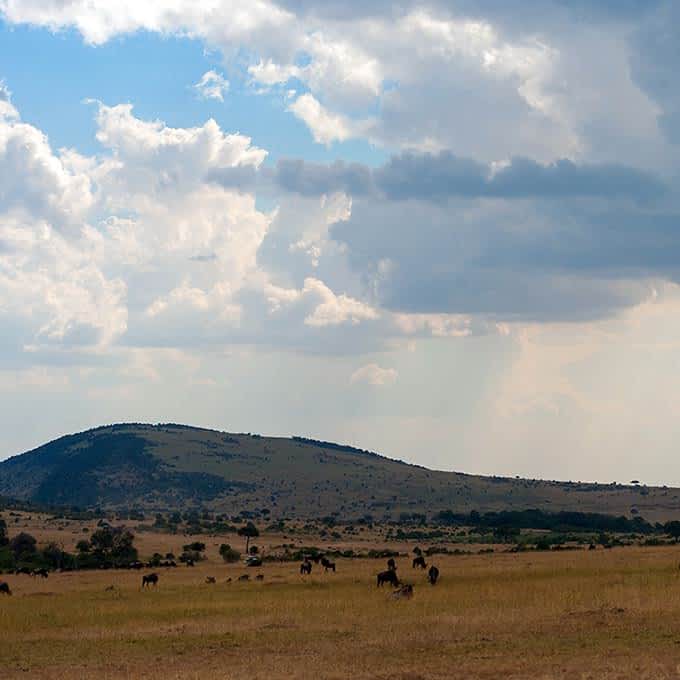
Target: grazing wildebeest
[[389, 576], [40, 572], [391, 564], [4, 588], [306, 567], [210, 579], [244, 577], [23, 570], [433, 575], [404, 593], [419, 562], [190, 563], [327, 564], [150, 580]]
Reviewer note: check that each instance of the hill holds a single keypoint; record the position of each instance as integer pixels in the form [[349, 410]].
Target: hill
[[168, 466]]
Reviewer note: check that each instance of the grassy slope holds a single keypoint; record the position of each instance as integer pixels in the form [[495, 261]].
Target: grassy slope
[[167, 466]]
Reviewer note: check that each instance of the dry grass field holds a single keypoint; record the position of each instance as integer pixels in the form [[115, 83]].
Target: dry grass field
[[585, 615]]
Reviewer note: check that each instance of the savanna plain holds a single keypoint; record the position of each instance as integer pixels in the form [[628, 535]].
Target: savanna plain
[[585, 614]]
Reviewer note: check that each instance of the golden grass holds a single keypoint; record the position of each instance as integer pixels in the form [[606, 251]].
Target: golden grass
[[584, 615]]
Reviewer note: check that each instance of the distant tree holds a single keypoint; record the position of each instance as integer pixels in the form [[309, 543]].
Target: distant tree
[[249, 531], [229, 554], [673, 529], [114, 544], [54, 556], [23, 545]]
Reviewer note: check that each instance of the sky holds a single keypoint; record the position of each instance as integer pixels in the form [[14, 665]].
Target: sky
[[446, 231]]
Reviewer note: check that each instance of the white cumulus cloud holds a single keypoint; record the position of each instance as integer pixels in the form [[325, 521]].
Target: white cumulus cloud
[[212, 85], [372, 374]]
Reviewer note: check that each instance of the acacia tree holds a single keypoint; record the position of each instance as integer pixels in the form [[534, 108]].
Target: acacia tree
[[249, 531], [23, 545]]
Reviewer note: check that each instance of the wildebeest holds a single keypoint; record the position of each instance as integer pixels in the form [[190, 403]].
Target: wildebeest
[[4, 588], [419, 562], [433, 575], [306, 567], [259, 577], [210, 579], [391, 564], [405, 592], [40, 572], [190, 563], [327, 564], [150, 580], [244, 577], [22, 570], [389, 576]]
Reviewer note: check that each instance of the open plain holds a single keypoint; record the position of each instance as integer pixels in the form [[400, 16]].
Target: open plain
[[599, 614]]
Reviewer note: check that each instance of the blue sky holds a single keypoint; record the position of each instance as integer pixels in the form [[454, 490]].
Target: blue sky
[[52, 75], [445, 231]]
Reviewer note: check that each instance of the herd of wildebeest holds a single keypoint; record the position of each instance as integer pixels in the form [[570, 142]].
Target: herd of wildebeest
[[389, 576]]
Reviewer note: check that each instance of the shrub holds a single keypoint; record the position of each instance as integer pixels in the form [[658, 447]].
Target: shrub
[[23, 546], [229, 554], [196, 546]]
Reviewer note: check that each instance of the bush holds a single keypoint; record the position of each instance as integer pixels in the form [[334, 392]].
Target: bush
[[23, 546], [229, 554], [196, 546], [6, 559]]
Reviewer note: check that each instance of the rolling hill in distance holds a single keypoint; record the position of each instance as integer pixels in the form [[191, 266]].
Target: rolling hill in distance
[[170, 467]]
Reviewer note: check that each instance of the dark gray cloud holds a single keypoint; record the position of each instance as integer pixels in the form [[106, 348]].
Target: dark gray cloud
[[537, 260], [527, 13], [241, 177], [313, 179], [655, 64], [442, 176]]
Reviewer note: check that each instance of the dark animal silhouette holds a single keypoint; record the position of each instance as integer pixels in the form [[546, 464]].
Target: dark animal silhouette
[[150, 580], [419, 562], [244, 577], [23, 570], [190, 563], [433, 575], [40, 572], [306, 567], [210, 579], [259, 577], [317, 558], [327, 564], [389, 576], [391, 564], [4, 588]]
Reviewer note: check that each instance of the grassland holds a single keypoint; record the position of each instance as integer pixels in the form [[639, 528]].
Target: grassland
[[584, 614]]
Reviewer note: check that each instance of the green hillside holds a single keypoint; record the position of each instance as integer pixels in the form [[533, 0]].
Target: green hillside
[[161, 467]]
